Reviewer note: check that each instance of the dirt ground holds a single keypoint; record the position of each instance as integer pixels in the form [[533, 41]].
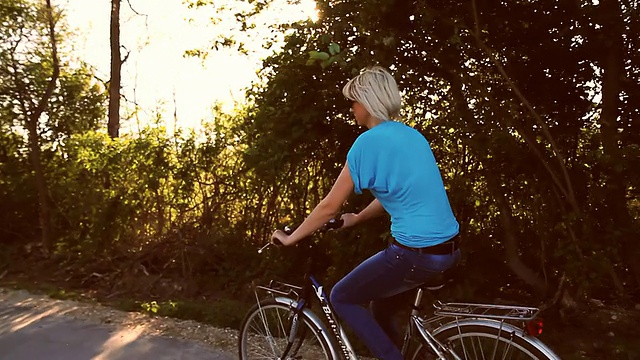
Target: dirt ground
[[209, 336], [591, 331], [602, 333]]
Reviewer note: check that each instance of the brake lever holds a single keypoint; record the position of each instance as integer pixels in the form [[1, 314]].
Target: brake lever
[[264, 247], [287, 230]]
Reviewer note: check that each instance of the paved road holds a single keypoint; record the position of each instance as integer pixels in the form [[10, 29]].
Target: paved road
[[33, 334]]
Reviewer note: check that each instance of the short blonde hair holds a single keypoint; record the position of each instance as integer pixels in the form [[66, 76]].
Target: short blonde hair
[[377, 91]]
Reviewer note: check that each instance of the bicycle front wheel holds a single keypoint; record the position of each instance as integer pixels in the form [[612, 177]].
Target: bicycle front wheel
[[472, 341], [265, 333]]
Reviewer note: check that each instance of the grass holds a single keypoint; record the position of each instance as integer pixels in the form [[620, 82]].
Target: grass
[[586, 338], [223, 313]]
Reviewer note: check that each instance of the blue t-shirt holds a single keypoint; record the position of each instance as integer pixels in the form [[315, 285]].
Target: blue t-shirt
[[395, 163]]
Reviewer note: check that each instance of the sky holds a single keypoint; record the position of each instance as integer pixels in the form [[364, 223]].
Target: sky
[[156, 67]]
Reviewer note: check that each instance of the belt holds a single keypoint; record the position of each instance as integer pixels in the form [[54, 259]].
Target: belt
[[444, 248]]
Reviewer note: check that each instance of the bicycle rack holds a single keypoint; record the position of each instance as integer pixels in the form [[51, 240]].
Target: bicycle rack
[[280, 288], [487, 311]]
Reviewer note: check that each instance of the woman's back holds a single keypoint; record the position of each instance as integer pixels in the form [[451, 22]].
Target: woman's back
[[395, 162]]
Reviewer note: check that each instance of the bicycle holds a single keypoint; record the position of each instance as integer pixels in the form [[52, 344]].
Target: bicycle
[[283, 326]]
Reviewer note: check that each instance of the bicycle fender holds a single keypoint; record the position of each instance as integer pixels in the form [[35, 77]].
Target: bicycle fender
[[313, 318], [516, 331]]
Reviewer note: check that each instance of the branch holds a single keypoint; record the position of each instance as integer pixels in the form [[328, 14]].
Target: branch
[[101, 80], [56, 68], [126, 56], [146, 17], [512, 255], [132, 9], [568, 192], [134, 102], [25, 102]]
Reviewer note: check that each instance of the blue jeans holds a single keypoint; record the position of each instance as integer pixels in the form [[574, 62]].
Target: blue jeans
[[385, 274]]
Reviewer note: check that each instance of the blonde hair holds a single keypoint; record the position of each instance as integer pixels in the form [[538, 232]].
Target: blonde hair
[[377, 91]]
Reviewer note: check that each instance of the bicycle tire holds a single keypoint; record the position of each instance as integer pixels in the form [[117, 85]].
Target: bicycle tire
[[472, 340], [265, 330]]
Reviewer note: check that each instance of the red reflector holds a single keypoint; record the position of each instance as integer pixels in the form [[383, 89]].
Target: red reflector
[[534, 327]]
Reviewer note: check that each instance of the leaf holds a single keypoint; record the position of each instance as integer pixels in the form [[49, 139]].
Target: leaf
[[334, 48], [311, 62], [328, 62], [318, 55]]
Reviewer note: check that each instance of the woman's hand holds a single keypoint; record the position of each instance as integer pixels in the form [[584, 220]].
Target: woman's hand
[[349, 219], [279, 237]]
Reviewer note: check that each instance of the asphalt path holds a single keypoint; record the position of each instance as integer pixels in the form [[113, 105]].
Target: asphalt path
[[28, 333]]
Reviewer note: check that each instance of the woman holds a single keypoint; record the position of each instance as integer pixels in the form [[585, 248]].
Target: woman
[[395, 163]]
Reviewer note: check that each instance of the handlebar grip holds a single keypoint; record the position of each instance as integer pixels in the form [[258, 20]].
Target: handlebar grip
[[330, 225], [287, 230], [333, 224]]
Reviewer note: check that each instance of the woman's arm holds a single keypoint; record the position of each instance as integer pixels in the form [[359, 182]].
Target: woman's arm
[[372, 210], [323, 212]]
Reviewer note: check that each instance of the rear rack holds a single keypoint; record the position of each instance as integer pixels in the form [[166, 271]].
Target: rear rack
[[501, 312], [280, 288]]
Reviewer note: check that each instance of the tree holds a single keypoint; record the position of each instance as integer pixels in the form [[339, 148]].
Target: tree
[[116, 66], [507, 93], [37, 19], [615, 17], [41, 98]]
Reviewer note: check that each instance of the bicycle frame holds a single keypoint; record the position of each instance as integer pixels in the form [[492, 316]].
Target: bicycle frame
[[426, 337], [336, 329], [416, 325], [419, 328]]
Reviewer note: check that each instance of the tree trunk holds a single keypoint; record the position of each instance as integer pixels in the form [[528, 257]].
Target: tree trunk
[[44, 212], [511, 242], [116, 65], [612, 64], [32, 114], [33, 117]]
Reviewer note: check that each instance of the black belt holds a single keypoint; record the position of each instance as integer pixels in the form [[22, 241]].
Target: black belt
[[444, 248]]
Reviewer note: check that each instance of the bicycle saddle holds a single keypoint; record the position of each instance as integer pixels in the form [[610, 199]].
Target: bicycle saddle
[[442, 279]]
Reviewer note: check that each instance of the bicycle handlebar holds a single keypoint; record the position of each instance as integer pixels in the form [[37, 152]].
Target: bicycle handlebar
[[332, 224]]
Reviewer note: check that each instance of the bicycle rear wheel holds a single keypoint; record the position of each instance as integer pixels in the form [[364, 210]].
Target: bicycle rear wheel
[[265, 332], [477, 341]]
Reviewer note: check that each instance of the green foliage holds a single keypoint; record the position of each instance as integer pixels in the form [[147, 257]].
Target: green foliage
[[76, 106], [325, 59], [222, 313], [62, 294], [184, 214], [488, 143], [153, 307]]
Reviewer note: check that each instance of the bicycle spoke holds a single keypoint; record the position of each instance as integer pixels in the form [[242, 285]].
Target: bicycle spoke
[[483, 343], [268, 337], [479, 347], [506, 351]]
